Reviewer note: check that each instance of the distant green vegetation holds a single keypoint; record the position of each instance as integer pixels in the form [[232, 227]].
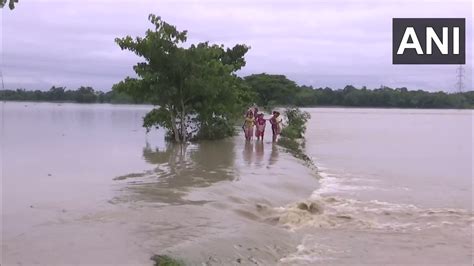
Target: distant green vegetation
[[277, 90], [60, 94]]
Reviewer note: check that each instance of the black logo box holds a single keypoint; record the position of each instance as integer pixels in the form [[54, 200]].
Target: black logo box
[[410, 56]]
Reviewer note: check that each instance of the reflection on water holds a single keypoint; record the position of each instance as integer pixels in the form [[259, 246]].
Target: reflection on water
[[179, 168], [254, 153], [274, 154], [259, 152], [247, 154]]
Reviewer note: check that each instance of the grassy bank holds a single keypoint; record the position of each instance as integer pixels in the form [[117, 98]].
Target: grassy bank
[[165, 260]]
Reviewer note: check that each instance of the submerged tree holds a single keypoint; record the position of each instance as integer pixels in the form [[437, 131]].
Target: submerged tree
[[194, 88]]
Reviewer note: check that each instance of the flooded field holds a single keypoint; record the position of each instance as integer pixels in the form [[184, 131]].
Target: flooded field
[[84, 184]]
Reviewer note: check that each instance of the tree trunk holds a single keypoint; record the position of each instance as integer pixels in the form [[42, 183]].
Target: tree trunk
[[173, 126], [184, 130]]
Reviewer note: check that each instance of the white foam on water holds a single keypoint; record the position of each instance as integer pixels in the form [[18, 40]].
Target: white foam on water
[[331, 183], [332, 212], [384, 194], [310, 252], [330, 206]]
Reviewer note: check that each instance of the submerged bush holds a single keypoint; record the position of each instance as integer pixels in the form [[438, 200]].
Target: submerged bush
[[292, 136], [215, 128], [165, 260], [295, 148], [297, 120]]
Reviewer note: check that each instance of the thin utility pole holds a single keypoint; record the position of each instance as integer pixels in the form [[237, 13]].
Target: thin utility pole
[[460, 78]]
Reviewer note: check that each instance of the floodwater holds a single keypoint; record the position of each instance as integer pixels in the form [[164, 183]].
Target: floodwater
[[84, 184], [396, 188]]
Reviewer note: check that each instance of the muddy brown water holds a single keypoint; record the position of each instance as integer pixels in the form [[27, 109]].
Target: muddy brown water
[[84, 185]]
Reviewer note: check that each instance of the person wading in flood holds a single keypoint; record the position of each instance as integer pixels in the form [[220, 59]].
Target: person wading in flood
[[260, 123], [276, 124], [248, 125], [255, 112]]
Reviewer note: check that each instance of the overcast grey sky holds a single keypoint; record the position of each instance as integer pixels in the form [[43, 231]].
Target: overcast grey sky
[[321, 43]]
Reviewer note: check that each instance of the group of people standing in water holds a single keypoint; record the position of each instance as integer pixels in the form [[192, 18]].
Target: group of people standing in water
[[255, 119]]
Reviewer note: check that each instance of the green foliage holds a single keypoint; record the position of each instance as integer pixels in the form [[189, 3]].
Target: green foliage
[[164, 260], [292, 136], [192, 87], [156, 118], [274, 90], [290, 132], [290, 144], [296, 123], [85, 95], [216, 128], [118, 97]]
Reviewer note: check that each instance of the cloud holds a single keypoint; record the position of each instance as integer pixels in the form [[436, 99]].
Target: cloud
[[320, 43]]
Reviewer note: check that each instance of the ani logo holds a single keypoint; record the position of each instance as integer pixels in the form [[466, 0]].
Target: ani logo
[[429, 41]]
